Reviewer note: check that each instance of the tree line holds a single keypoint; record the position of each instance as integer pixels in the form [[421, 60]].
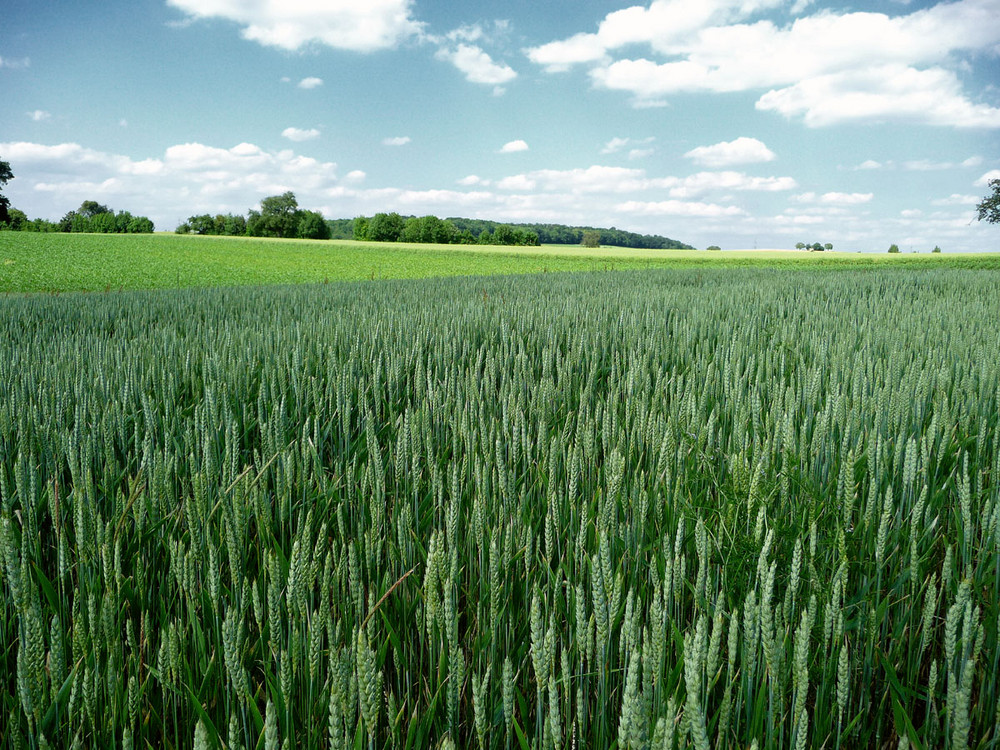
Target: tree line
[[561, 234], [279, 216], [392, 227]]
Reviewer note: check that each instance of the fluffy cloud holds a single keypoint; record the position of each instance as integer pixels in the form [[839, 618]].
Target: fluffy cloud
[[399, 140], [477, 65], [825, 68], [728, 153], [890, 92], [311, 82], [292, 24], [512, 147], [993, 174], [39, 115], [299, 134], [188, 178]]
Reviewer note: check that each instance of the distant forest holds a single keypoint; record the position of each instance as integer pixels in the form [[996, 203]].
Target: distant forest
[[547, 234]]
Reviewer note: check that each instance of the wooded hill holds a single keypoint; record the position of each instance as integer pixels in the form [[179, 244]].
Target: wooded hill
[[548, 234]]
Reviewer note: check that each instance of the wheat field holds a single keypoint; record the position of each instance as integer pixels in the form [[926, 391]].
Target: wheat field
[[658, 509]]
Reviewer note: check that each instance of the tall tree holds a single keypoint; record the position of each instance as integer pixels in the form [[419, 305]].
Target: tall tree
[[90, 209], [278, 217], [6, 175], [988, 208]]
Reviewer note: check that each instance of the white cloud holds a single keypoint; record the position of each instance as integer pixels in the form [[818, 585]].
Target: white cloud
[[355, 175], [299, 134], [39, 115], [293, 24], [890, 92], [187, 178], [678, 208], [743, 150], [640, 153], [993, 174], [614, 145], [477, 65], [472, 180], [560, 56], [311, 82], [399, 140], [869, 164], [512, 147], [618, 144], [23, 62], [826, 68], [837, 199]]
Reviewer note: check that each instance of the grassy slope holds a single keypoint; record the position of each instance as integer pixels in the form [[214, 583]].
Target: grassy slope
[[59, 262]]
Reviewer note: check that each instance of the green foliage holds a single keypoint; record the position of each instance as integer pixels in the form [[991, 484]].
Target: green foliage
[[547, 511], [988, 208], [894, 248], [936, 249], [33, 262], [713, 247], [312, 226], [591, 238], [560, 234], [6, 175], [279, 216]]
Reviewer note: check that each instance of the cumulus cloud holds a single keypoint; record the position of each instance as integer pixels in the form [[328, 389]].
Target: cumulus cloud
[[299, 134], [399, 140], [512, 147], [993, 174], [186, 178], [825, 68], [477, 65], [310, 82], [743, 150], [39, 115], [293, 24]]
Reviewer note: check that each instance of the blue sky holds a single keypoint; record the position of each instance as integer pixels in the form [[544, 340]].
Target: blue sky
[[740, 123]]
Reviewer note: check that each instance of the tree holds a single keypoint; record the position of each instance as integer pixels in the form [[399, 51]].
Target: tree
[[17, 219], [713, 247], [360, 229], [936, 249], [90, 209], [312, 226], [385, 227], [6, 175], [828, 246], [894, 248], [988, 208], [278, 217], [800, 246], [591, 238]]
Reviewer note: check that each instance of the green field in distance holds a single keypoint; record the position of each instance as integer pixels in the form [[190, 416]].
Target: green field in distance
[[94, 262]]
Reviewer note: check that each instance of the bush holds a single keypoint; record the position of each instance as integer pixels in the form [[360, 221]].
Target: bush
[[893, 248]]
